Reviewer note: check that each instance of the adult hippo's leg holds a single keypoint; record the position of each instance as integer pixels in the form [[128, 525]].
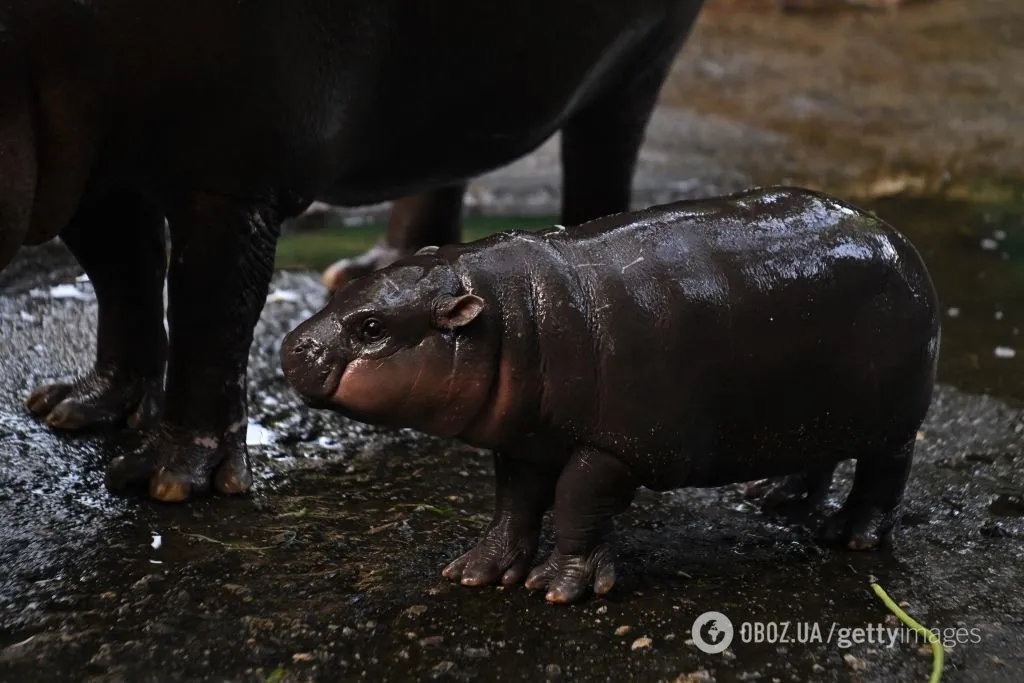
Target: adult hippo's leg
[[601, 143], [592, 489], [126, 381], [420, 220], [222, 259], [524, 492]]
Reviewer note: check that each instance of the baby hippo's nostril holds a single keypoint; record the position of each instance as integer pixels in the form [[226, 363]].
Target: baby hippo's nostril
[[310, 366]]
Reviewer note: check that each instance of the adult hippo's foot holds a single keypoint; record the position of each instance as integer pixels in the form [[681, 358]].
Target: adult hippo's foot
[[221, 264], [380, 255], [593, 488], [126, 382], [178, 465], [101, 398], [524, 491], [417, 221]]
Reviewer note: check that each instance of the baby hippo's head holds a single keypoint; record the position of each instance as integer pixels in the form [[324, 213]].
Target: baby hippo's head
[[405, 346]]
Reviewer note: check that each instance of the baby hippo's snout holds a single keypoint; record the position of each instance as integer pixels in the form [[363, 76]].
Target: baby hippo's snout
[[313, 359]]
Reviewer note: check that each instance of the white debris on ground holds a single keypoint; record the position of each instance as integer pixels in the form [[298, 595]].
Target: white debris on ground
[[157, 541], [1005, 352], [279, 295], [65, 291], [258, 435]]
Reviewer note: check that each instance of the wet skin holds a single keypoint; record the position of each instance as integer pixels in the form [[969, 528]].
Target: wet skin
[[116, 116], [765, 335]]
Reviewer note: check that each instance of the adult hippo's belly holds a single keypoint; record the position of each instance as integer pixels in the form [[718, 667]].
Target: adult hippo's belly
[[225, 118]]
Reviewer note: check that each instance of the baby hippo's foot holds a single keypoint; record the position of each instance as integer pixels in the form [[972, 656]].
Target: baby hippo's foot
[[340, 273], [872, 508], [567, 577], [101, 398], [502, 555], [858, 528], [801, 492], [179, 464]]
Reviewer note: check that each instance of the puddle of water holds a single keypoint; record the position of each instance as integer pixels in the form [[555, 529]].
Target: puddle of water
[[975, 253]]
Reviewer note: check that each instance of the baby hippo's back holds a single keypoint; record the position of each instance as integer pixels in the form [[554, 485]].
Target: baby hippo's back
[[742, 337]]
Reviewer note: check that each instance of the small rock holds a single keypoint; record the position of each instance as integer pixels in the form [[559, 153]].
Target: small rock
[[925, 651], [430, 641], [302, 657], [1005, 352], [553, 671], [729, 654], [478, 652], [603, 609], [415, 610], [855, 663], [702, 676], [147, 581], [623, 630], [441, 668], [347, 631], [641, 643], [102, 659], [817, 668], [995, 660]]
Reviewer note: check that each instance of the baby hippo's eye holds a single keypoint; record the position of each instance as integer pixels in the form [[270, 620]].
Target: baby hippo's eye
[[371, 330]]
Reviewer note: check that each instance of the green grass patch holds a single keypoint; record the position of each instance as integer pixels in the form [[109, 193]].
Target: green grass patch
[[315, 250]]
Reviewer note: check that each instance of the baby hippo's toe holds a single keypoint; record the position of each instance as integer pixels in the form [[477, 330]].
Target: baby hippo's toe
[[499, 557], [567, 577]]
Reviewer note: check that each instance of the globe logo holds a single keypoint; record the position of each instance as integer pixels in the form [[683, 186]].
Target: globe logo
[[712, 632]]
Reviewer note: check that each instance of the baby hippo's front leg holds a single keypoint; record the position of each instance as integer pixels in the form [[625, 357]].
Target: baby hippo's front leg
[[523, 493], [592, 489]]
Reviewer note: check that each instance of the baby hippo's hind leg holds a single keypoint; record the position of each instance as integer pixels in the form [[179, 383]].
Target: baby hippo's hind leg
[[872, 508], [804, 490]]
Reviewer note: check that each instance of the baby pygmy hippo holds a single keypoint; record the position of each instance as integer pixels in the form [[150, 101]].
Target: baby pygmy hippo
[[767, 334]]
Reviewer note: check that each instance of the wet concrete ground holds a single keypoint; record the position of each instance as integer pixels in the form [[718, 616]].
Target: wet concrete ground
[[330, 570]]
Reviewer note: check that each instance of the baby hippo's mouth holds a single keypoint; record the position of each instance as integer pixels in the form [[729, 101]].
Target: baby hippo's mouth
[[311, 367]]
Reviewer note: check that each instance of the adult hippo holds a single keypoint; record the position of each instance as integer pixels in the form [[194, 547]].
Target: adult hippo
[[227, 117]]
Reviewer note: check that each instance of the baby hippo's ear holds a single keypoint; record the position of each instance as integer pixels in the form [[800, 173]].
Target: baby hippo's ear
[[451, 312]]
